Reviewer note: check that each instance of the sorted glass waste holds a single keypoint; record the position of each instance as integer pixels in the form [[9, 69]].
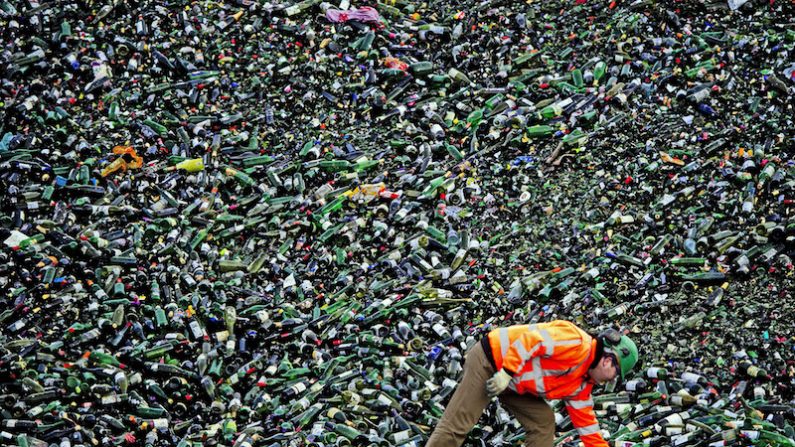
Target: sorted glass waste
[[284, 223]]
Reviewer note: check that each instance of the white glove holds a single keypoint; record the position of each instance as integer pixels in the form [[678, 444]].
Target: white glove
[[498, 383]]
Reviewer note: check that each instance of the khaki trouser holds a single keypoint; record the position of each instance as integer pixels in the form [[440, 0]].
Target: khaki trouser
[[470, 399]]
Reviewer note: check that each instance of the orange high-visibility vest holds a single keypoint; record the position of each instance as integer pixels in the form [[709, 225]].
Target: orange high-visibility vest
[[551, 360]]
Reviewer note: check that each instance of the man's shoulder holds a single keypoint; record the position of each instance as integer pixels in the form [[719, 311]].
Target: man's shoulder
[[566, 325]]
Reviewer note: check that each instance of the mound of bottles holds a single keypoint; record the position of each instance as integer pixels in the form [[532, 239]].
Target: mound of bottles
[[250, 222]]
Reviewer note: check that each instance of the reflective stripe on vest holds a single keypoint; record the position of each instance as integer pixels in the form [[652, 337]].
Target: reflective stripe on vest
[[579, 404], [588, 430], [534, 377], [568, 343], [579, 389], [505, 342], [548, 342], [537, 373], [524, 354], [538, 377]]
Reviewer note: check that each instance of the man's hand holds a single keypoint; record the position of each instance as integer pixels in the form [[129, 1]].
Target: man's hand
[[498, 382]]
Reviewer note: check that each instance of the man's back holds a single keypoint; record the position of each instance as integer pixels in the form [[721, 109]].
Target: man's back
[[549, 360]]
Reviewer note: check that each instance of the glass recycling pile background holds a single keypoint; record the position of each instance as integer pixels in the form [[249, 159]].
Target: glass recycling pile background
[[253, 223]]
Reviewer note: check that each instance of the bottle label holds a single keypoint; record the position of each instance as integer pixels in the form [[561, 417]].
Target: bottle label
[[690, 377], [635, 385], [195, 329], [402, 435], [654, 372], [750, 434], [110, 399], [621, 408], [674, 419], [318, 429]]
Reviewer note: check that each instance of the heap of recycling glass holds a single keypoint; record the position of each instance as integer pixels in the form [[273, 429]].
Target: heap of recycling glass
[[263, 223]]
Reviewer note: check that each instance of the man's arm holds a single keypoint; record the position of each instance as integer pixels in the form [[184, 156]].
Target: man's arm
[[514, 356], [580, 408]]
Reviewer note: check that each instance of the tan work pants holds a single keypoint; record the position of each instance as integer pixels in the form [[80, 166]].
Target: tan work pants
[[470, 399]]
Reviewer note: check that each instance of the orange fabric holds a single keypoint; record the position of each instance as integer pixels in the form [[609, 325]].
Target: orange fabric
[[551, 360]]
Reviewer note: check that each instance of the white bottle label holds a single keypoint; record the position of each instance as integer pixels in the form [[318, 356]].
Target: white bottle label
[[621, 408], [634, 385], [750, 434], [402, 435], [690, 377], [195, 329], [110, 399], [674, 419]]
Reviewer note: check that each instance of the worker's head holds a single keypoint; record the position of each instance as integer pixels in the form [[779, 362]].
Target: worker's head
[[605, 370], [619, 355]]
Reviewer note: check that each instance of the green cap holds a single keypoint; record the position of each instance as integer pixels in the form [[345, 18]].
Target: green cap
[[625, 351]]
